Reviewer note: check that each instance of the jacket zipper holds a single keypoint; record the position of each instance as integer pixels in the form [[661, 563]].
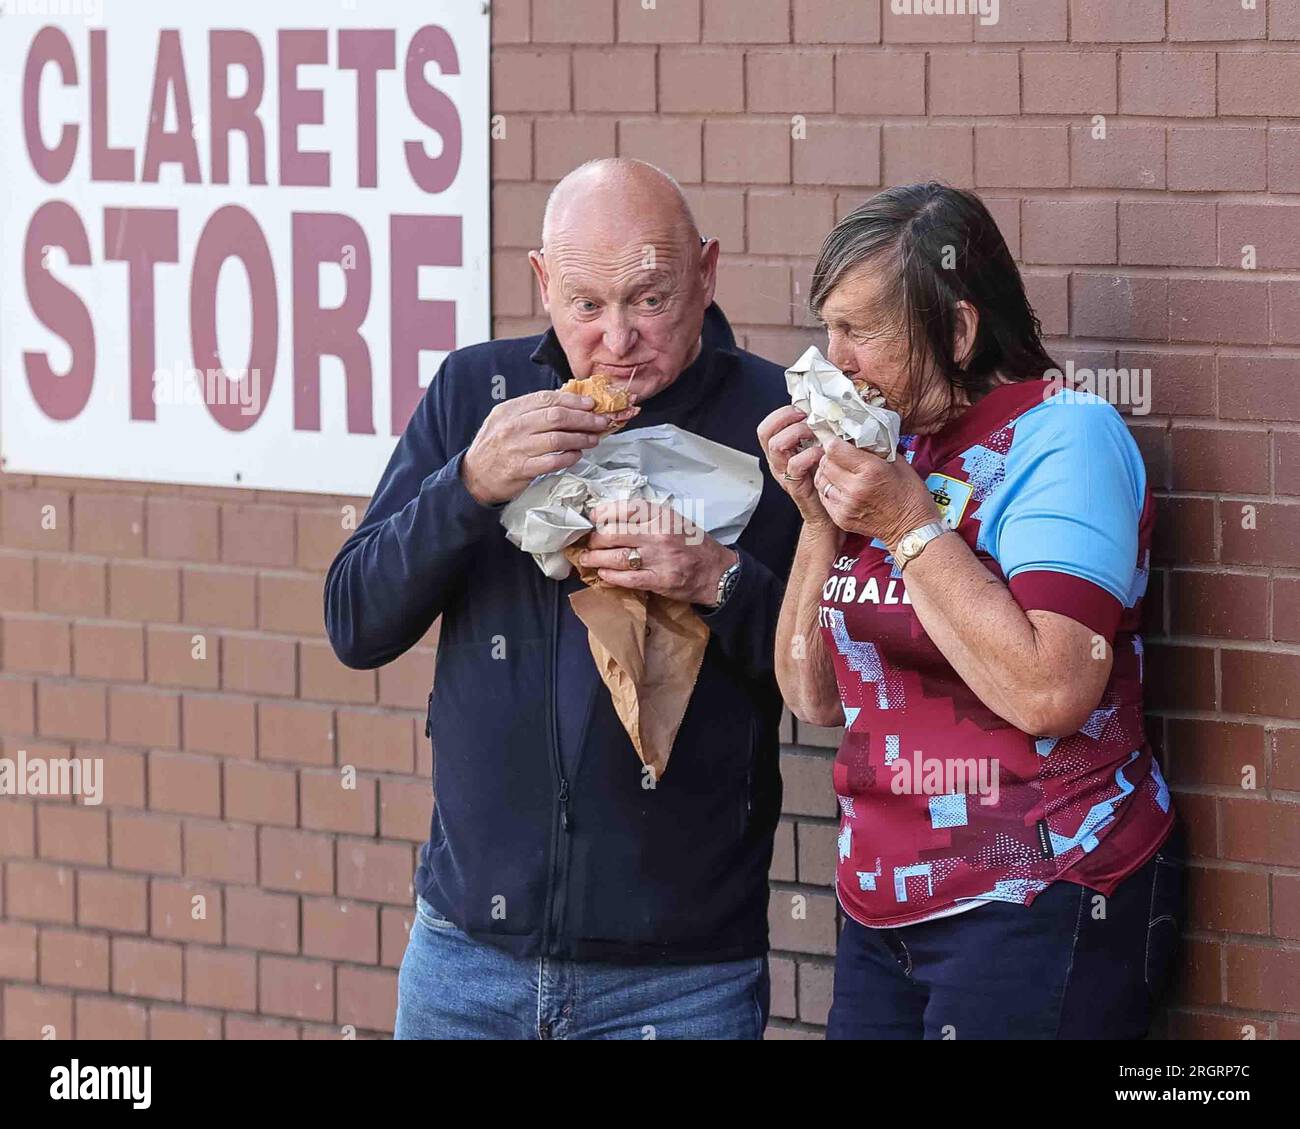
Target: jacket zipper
[[749, 782], [433, 753], [562, 824]]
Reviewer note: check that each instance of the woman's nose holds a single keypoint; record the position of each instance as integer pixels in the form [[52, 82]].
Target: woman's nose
[[839, 354]]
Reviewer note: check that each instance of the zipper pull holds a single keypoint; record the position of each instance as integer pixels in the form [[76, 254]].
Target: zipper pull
[[428, 716], [565, 822]]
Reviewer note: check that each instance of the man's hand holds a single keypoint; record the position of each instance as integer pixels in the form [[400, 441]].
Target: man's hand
[[528, 436], [678, 560]]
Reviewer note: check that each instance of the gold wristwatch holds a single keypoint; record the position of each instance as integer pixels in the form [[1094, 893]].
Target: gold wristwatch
[[911, 545]]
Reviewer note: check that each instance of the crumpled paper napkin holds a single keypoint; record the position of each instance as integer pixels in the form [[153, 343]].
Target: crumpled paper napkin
[[647, 648], [836, 409], [715, 486]]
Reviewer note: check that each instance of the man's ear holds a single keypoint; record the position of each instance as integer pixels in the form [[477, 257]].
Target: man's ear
[[538, 263], [963, 338], [709, 269]]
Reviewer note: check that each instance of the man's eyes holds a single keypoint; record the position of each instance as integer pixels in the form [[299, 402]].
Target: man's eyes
[[650, 302]]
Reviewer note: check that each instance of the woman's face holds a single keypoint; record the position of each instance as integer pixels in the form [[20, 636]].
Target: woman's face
[[872, 352]]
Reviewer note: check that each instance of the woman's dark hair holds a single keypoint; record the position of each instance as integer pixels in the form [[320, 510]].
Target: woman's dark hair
[[935, 246]]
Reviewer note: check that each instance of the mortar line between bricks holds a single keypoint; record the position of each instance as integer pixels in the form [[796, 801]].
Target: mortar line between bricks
[[1218, 1011], [981, 47], [1236, 866], [1274, 724], [1184, 424], [825, 960], [108, 934], [1232, 350], [1154, 272], [1263, 942], [827, 821], [1256, 572], [785, 1024], [1270, 599], [806, 888], [1273, 797], [221, 807], [1076, 121], [1254, 647], [1228, 496]]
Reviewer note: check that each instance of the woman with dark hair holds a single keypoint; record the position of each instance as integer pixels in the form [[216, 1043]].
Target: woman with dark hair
[[1009, 860]]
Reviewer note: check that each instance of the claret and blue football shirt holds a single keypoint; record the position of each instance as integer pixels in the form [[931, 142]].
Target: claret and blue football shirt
[[944, 805]]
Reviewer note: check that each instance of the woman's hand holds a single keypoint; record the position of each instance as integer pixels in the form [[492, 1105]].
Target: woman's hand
[[780, 434], [862, 493]]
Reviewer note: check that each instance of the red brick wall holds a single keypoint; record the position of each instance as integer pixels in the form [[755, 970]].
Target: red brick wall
[[224, 770]]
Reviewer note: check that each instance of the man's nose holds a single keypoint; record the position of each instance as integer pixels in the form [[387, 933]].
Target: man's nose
[[620, 334]]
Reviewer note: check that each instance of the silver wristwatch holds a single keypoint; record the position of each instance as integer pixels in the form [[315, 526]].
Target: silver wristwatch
[[911, 545], [727, 584]]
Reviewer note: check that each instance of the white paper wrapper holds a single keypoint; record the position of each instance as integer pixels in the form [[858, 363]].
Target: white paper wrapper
[[836, 408], [716, 487]]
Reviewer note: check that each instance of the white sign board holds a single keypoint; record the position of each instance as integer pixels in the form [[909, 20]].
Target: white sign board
[[236, 239]]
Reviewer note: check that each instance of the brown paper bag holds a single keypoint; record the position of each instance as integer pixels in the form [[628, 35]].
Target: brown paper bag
[[648, 650]]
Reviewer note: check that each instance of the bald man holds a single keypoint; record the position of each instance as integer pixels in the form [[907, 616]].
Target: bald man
[[560, 896]]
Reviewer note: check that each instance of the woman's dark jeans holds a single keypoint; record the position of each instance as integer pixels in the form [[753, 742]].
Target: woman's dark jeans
[[1074, 965]]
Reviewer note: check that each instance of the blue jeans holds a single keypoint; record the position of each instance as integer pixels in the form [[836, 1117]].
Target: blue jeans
[[1073, 965], [453, 987]]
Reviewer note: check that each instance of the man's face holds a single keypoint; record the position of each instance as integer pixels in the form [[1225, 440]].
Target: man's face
[[627, 302]]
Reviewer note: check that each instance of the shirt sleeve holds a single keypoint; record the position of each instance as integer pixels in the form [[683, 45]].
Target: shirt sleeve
[[411, 552], [1065, 527]]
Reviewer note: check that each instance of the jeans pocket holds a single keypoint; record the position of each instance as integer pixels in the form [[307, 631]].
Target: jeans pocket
[[1168, 882], [426, 915]]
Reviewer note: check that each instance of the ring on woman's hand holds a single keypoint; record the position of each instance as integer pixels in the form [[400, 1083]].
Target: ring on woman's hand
[[827, 492], [788, 476], [634, 558]]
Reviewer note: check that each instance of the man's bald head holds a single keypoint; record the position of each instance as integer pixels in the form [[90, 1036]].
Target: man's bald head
[[619, 193], [624, 275]]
